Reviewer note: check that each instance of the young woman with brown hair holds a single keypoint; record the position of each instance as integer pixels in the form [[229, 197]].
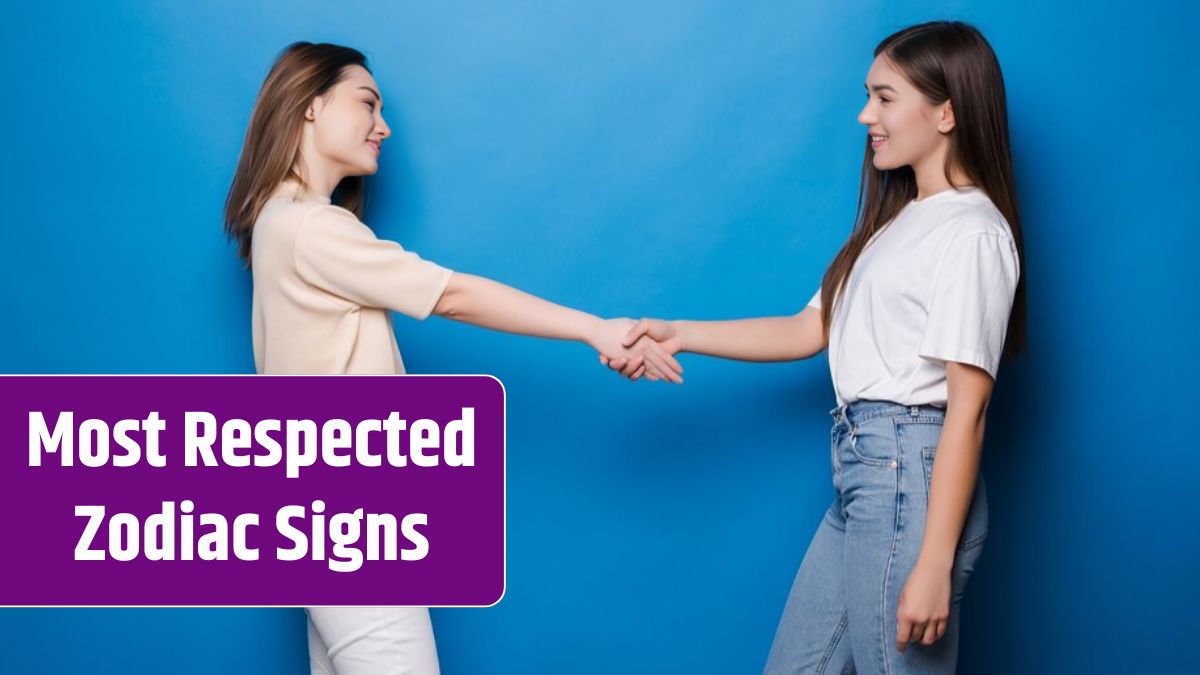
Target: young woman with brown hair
[[324, 286]]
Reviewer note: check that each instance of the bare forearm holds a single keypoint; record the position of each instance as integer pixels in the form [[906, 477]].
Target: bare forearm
[[952, 485], [775, 338], [490, 304]]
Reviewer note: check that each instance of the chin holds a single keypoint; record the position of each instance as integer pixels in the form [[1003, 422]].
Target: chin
[[886, 165]]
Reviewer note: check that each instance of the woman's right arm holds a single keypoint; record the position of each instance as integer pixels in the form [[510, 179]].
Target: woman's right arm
[[775, 338], [772, 338], [490, 304]]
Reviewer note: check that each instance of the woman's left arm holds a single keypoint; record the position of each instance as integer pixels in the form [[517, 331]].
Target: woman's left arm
[[925, 601], [956, 463]]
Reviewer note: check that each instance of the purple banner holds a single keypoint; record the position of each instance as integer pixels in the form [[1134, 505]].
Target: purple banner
[[252, 490]]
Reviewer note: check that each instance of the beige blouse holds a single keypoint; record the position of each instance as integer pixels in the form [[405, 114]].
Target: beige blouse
[[323, 285]]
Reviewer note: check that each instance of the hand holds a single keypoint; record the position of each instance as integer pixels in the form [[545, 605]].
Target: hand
[[659, 340], [924, 606], [612, 342]]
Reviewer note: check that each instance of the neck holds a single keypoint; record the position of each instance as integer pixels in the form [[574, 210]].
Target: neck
[[322, 176], [931, 175], [321, 183]]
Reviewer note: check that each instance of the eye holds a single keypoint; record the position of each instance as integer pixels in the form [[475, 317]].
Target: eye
[[370, 104]]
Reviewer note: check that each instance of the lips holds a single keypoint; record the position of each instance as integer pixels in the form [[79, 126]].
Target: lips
[[375, 145]]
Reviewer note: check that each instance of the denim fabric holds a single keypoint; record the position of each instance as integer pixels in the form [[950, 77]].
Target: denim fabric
[[840, 616]]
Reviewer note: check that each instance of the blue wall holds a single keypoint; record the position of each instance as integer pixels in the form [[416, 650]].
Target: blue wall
[[683, 159]]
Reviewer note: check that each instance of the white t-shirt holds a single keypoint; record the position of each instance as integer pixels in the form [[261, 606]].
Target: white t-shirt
[[934, 285]]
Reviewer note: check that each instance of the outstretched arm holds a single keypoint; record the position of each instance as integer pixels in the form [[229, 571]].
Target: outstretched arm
[[482, 302], [774, 338]]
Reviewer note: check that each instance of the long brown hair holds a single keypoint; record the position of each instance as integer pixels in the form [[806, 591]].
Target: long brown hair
[[271, 150], [944, 60]]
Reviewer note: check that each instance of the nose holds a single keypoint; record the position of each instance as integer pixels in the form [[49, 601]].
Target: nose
[[866, 116]]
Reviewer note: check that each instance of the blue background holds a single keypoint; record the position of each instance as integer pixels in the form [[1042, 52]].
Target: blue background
[[685, 159]]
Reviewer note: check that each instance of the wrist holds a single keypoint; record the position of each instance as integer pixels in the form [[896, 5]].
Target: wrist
[[683, 336], [938, 560], [590, 330]]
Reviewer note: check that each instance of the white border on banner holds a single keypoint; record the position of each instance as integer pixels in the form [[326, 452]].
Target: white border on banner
[[504, 485]]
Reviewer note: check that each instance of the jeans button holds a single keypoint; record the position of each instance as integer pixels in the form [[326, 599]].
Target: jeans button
[[893, 463]]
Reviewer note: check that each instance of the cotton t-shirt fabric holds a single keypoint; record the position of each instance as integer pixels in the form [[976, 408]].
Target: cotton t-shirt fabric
[[324, 286], [936, 284]]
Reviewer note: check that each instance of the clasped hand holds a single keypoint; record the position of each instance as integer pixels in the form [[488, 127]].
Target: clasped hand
[[647, 349]]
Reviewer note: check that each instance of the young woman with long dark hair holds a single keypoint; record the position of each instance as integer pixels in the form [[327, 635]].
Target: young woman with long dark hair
[[917, 309]]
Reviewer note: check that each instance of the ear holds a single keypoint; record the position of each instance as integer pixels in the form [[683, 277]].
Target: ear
[[310, 114], [946, 118]]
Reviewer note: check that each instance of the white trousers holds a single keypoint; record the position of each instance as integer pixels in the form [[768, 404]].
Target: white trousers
[[371, 641]]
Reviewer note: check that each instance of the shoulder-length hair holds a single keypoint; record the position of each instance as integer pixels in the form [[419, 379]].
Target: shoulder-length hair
[[271, 150], [944, 60]]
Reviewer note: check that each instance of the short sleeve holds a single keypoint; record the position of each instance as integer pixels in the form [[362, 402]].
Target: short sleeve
[[972, 297], [816, 299], [338, 253]]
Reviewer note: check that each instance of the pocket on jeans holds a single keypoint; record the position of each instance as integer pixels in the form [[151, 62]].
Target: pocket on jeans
[[874, 443], [975, 529]]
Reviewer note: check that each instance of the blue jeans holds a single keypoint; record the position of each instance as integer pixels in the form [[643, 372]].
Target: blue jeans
[[841, 613]]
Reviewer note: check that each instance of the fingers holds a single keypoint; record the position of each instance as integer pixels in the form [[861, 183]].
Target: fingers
[[903, 630], [639, 329], [914, 631], [616, 364], [655, 360], [659, 360], [930, 636], [634, 363], [654, 372], [664, 362], [918, 629], [649, 358], [672, 362]]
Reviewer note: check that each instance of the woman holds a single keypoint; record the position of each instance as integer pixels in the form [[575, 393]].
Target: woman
[[324, 285], [930, 285]]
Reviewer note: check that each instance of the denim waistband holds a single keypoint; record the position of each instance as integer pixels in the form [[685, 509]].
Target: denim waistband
[[862, 410]]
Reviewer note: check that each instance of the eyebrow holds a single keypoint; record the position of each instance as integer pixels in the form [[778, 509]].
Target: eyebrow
[[881, 87], [377, 96]]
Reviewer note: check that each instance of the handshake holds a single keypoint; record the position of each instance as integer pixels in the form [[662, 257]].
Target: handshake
[[637, 349]]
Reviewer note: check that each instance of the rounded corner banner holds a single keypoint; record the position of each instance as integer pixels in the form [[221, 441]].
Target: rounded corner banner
[[252, 490]]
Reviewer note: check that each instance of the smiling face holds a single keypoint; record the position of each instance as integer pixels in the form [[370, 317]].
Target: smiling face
[[345, 128], [914, 133]]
